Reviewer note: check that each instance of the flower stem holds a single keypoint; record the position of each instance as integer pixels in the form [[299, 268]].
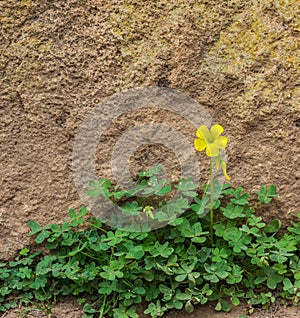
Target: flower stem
[[103, 307], [211, 202]]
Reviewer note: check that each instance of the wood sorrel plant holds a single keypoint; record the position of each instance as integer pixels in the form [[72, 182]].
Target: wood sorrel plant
[[213, 142], [192, 260]]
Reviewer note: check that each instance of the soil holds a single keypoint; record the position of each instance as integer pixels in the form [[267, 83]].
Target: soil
[[59, 59], [69, 309]]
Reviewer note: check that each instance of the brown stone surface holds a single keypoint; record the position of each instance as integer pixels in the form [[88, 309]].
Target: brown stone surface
[[59, 59]]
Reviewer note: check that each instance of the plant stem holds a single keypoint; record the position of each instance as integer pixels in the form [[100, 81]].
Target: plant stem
[[95, 226], [211, 202], [256, 205], [103, 307]]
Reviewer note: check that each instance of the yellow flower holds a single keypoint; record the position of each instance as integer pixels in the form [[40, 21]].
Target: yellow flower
[[220, 163], [148, 210], [211, 140]]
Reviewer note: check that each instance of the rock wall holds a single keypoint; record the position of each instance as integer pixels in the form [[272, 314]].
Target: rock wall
[[239, 59]]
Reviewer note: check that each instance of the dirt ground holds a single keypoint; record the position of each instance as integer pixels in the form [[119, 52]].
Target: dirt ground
[[70, 309], [59, 59]]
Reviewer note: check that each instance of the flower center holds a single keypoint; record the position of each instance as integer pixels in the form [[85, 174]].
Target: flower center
[[210, 140]]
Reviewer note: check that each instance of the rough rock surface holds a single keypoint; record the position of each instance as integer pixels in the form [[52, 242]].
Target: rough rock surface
[[239, 59]]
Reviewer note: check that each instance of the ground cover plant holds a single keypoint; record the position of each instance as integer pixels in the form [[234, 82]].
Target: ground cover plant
[[214, 248]]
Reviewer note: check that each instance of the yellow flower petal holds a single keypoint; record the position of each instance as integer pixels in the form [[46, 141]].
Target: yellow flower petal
[[203, 132], [212, 150], [199, 144], [216, 130], [223, 166], [221, 142]]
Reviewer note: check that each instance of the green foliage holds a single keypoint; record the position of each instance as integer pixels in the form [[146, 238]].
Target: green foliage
[[175, 267]]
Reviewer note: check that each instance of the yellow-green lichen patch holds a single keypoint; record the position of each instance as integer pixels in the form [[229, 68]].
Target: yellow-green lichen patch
[[23, 47], [152, 34], [261, 44], [13, 14]]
